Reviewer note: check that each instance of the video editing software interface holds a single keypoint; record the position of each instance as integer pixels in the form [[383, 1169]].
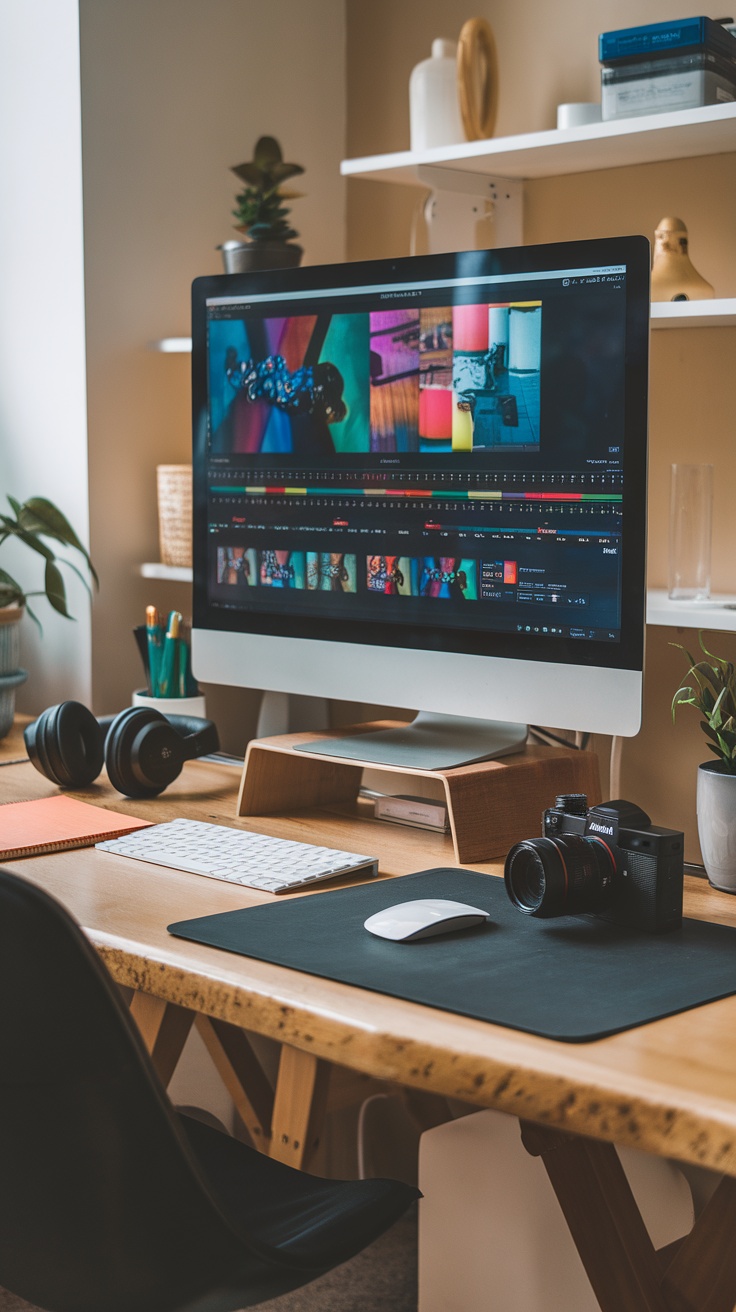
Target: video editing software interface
[[438, 454]]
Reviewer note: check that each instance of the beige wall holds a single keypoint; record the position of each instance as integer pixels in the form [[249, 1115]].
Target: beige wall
[[548, 55], [173, 93]]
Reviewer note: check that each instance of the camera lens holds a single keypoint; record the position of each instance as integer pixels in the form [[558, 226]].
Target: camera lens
[[525, 877], [559, 876]]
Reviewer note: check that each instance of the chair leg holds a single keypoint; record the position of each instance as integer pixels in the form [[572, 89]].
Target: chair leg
[[243, 1076], [164, 1029], [299, 1106]]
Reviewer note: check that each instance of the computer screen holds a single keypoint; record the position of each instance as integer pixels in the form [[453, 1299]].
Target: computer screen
[[422, 481]]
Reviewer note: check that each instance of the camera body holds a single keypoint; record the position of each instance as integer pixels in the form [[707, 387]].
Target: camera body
[[609, 860], [646, 886]]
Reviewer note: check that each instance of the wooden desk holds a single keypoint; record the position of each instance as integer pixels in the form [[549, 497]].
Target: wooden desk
[[668, 1087]]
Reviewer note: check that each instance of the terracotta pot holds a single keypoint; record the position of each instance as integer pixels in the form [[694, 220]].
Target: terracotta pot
[[716, 802], [11, 676], [250, 256]]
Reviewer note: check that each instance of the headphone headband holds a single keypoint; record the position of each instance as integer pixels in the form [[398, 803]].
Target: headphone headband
[[200, 736], [143, 749], [197, 733]]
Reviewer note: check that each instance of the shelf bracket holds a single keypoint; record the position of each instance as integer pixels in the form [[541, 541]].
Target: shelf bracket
[[459, 201]]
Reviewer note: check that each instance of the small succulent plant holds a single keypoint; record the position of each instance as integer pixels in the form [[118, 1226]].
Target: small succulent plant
[[261, 213], [711, 688], [36, 522]]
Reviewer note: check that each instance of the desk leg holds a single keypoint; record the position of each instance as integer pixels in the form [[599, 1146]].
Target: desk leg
[[164, 1029], [603, 1218], [299, 1106], [702, 1275], [242, 1074], [695, 1274]]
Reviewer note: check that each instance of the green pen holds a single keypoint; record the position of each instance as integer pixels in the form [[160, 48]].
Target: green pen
[[155, 637], [188, 686], [184, 675], [167, 678]]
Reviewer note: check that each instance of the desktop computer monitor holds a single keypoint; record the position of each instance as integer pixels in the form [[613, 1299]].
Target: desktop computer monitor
[[422, 482]]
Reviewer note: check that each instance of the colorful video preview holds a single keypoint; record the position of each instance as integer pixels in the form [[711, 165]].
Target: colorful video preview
[[445, 577], [429, 381], [423, 576], [315, 571]]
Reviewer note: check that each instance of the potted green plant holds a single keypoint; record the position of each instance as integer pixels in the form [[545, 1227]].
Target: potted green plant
[[35, 523], [262, 216], [710, 686]]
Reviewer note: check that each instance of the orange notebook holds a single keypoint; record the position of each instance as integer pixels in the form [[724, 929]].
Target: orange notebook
[[52, 824]]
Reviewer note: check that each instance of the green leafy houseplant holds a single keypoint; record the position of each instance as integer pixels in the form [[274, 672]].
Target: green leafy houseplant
[[711, 688], [261, 213], [36, 523]]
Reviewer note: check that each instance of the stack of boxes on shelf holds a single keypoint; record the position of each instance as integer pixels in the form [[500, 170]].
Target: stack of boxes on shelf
[[684, 64]]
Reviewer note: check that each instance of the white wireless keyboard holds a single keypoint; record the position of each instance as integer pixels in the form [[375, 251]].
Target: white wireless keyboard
[[253, 860]]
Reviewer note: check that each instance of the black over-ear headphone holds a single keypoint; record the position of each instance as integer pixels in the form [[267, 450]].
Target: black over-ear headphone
[[142, 749]]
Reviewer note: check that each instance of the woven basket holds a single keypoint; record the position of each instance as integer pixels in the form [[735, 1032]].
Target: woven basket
[[174, 484]]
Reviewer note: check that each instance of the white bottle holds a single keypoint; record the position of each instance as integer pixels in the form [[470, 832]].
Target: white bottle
[[434, 111]]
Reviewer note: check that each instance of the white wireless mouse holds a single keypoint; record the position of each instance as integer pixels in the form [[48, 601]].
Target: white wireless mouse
[[425, 918]]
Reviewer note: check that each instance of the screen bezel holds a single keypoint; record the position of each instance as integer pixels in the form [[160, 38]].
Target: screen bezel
[[627, 654]]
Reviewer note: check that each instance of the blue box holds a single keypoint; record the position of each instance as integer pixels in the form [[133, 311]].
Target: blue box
[[670, 38]]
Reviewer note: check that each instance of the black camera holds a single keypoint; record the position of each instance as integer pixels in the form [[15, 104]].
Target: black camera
[[610, 861]]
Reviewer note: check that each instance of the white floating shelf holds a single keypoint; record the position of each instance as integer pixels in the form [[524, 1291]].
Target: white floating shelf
[[718, 613], [718, 313], [173, 573], [645, 140], [172, 345]]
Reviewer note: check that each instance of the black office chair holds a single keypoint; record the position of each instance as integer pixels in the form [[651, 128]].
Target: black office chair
[[109, 1200]]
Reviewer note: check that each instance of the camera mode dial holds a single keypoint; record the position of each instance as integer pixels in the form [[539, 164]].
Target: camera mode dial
[[572, 803]]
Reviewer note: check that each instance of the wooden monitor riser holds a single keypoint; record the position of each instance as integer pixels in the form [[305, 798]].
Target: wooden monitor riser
[[491, 805]]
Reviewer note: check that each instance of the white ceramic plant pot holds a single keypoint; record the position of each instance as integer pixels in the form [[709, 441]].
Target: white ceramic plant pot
[[716, 802], [11, 676]]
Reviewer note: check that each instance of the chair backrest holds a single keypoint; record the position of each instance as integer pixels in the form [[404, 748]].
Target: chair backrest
[[101, 1203]]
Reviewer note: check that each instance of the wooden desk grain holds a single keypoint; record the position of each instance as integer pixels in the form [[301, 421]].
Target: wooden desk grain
[[668, 1087]]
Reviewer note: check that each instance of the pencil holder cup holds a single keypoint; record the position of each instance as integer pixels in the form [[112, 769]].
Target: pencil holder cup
[[172, 705]]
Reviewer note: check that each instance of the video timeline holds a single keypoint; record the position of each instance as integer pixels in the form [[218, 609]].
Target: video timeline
[[513, 586]]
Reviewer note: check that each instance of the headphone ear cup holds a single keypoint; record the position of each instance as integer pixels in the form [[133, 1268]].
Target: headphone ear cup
[[143, 753], [65, 743]]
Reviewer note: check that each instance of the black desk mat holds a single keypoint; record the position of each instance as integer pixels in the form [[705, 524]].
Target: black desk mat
[[574, 979]]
